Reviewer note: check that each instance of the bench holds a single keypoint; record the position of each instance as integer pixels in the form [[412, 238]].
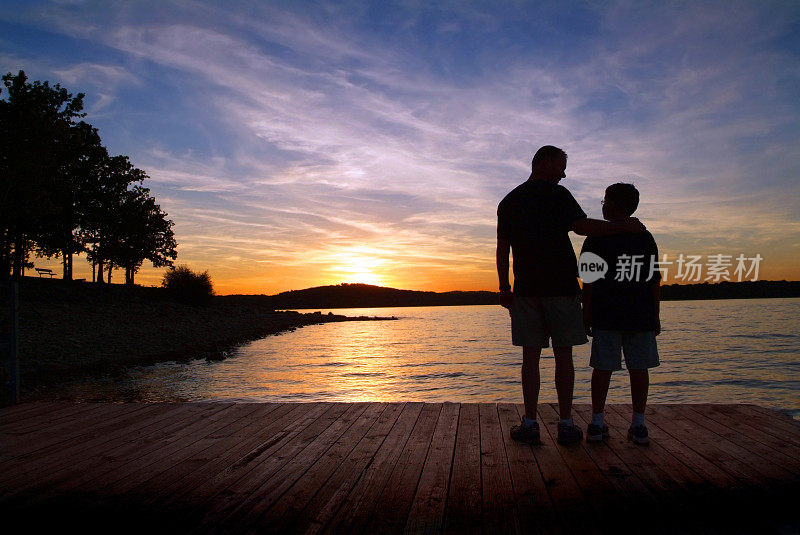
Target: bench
[[45, 271]]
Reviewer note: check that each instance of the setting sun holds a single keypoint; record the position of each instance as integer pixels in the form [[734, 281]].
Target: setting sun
[[357, 265]]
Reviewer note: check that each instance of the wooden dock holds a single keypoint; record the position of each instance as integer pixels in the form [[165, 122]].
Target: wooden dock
[[391, 468]]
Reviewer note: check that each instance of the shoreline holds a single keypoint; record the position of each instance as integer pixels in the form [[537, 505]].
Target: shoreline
[[68, 332]]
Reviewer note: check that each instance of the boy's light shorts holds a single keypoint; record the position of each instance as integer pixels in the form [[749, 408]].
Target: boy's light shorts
[[640, 350], [534, 320]]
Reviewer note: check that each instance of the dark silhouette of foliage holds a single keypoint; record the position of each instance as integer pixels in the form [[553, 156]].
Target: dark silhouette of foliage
[[35, 130], [188, 286], [143, 233], [62, 194], [72, 194]]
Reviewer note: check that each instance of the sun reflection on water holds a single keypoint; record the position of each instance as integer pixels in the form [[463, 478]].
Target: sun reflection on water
[[737, 351]]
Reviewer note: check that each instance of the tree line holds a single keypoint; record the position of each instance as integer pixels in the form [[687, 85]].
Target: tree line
[[62, 194]]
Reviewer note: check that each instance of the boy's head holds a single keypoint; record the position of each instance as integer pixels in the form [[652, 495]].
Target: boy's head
[[621, 201]]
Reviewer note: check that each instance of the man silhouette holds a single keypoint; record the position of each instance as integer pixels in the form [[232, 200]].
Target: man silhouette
[[534, 221]]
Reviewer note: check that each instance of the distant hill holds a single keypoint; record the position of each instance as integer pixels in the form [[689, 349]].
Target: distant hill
[[731, 290], [369, 296]]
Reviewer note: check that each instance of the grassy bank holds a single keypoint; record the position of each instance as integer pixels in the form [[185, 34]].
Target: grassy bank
[[71, 330]]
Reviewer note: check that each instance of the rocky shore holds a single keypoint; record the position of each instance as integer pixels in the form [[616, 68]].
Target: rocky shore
[[73, 330]]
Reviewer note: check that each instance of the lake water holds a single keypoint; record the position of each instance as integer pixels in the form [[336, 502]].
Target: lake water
[[725, 351]]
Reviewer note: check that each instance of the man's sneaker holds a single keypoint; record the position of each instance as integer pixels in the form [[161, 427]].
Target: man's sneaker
[[529, 435], [569, 434], [638, 435], [595, 433]]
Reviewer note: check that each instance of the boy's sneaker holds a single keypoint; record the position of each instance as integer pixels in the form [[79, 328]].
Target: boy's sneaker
[[529, 435], [638, 435], [569, 434], [595, 433]]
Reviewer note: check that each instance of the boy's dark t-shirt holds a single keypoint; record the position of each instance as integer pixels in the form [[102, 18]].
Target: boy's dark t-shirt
[[536, 218], [624, 305]]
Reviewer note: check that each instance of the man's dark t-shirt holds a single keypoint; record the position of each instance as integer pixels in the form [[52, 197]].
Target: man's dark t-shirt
[[536, 218], [627, 304]]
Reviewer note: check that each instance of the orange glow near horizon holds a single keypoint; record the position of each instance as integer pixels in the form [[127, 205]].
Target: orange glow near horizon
[[365, 264]]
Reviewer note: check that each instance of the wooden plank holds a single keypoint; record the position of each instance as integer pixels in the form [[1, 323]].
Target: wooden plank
[[132, 458], [75, 456], [716, 449], [644, 462], [283, 439], [360, 503], [571, 505], [536, 511], [673, 485], [768, 428], [465, 494], [274, 475], [329, 498], [758, 507], [752, 438], [598, 469], [788, 421], [68, 420], [774, 462], [335, 468], [499, 508], [390, 513], [769, 469], [48, 441], [710, 472], [30, 411], [192, 473], [427, 509], [220, 425], [278, 509]]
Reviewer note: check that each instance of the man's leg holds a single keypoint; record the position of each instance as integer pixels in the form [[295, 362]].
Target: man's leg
[[601, 379], [565, 380], [530, 379]]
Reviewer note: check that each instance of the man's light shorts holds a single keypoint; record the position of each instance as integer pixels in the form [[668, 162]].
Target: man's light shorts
[[640, 350], [534, 320]]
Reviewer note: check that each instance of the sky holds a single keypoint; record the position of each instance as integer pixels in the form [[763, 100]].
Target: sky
[[298, 144]]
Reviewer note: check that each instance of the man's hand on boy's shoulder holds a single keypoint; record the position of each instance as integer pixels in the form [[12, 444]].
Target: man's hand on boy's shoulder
[[632, 224]]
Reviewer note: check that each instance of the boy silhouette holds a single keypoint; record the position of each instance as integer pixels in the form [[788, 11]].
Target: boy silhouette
[[621, 312]]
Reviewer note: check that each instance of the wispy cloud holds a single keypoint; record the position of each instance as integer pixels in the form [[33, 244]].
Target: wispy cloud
[[341, 131]]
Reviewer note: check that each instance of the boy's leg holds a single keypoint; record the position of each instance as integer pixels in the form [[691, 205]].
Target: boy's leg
[[641, 354], [530, 379], [565, 380]]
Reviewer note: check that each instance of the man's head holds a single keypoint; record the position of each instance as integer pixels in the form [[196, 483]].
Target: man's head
[[549, 163], [621, 201]]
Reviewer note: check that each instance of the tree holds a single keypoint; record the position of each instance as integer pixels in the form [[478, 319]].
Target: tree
[[35, 131], [62, 194], [102, 222], [188, 286], [72, 195], [143, 233]]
